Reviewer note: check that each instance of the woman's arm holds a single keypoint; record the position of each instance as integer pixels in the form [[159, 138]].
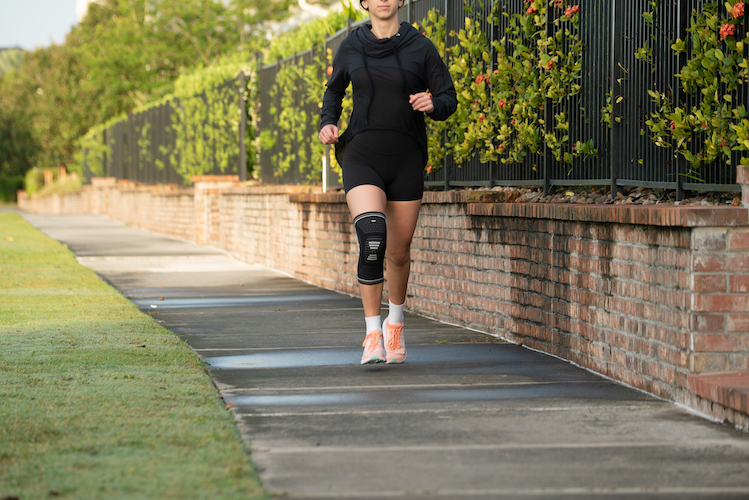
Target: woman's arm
[[334, 92], [444, 99]]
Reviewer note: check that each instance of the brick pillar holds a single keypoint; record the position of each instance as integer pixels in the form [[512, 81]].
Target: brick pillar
[[102, 187], [207, 215], [742, 178], [720, 300]]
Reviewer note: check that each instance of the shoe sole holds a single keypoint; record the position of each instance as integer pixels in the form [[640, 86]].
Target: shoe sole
[[373, 360]]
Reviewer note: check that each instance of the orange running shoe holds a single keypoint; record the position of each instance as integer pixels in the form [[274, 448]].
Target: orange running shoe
[[395, 346], [374, 351]]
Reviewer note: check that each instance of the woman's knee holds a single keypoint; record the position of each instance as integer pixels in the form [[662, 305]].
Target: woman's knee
[[398, 256]]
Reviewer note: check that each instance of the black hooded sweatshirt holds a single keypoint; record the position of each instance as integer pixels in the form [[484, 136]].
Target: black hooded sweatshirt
[[384, 72]]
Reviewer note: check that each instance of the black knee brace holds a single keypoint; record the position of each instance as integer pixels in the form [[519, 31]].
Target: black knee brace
[[372, 233]]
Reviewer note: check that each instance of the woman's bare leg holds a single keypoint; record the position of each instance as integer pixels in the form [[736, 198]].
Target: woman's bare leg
[[402, 217]]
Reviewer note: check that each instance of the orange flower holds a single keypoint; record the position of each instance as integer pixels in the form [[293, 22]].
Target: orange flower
[[727, 30], [501, 103], [738, 10], [330, 70], [571, 11], [531, 10]]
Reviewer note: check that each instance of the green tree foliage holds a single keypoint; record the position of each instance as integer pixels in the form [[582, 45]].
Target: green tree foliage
[[10, 59], [123, 54], [18, 150], [44, 93]]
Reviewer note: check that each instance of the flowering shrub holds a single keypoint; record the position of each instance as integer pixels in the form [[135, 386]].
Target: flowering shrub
[[716, 68], [503, 96]]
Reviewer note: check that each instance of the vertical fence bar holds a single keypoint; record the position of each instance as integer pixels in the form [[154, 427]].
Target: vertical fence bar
[[616, 47], [242, 129], [445, 163], [548, 117], [683, 13]]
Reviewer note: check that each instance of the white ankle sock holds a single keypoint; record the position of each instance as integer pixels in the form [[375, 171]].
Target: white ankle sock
[[373, 323], [395, 313]]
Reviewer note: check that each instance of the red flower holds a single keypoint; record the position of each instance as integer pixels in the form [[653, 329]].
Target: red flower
[[501, 103], [430, 169], [550, 65], [531, 10], [727, 30], [330, 70], [673, 125], [571, 11], [480, 79], [481, 118], [558, 3], [738, 10]]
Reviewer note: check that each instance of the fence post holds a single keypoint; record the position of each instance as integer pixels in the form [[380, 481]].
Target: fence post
[[615, 143], [105, 158], [242, 128]]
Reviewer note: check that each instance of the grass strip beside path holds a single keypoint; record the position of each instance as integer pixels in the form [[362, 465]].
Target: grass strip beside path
[[96, 399]]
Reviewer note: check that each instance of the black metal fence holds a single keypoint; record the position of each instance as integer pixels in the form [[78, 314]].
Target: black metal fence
[[159, 146], [611, 78]]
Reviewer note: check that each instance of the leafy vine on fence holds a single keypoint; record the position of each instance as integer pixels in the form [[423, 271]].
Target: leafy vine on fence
[[205, 124], [296, 96], [206, 119], [297, 91], [716, 68], [503, 93]]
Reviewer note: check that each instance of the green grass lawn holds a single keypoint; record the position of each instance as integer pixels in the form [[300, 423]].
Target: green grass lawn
[[96, 399]]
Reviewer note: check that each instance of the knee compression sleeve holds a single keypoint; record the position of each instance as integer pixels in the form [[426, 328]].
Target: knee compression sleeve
[[372, 233]]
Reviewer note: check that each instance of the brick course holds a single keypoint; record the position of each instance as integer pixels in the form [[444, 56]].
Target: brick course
[[655, 297]]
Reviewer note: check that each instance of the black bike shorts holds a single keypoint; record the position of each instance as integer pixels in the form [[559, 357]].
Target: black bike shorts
[[389, 160]]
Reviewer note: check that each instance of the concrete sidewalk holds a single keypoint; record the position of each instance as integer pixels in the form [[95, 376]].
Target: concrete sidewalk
[[467, 416]]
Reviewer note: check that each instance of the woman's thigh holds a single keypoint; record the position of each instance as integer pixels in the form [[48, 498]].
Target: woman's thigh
[[402, 217], [366, 198]]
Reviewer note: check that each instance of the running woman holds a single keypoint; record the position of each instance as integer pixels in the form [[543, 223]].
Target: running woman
[[397, 76]]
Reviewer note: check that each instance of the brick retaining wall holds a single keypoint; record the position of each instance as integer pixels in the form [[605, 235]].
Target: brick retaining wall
[[654, 296]]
